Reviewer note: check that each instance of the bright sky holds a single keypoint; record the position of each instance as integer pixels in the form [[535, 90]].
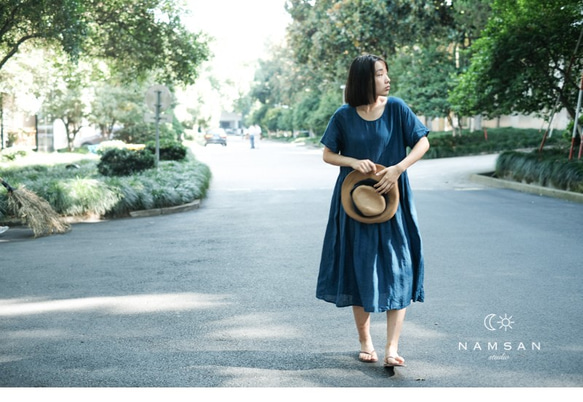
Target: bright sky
[[241, 30]]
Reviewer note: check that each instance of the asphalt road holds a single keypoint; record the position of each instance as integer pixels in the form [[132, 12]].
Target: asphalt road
[[223, 296]]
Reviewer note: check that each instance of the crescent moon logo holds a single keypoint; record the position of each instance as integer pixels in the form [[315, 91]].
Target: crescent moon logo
[[488, 322]]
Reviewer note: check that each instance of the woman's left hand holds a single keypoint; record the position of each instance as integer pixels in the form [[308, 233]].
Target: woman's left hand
[[389, 177]]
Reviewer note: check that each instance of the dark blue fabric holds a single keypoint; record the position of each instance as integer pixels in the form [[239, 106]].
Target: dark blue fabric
[[377, 266]]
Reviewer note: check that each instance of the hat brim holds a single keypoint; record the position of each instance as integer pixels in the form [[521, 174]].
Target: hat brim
[[392, 197]]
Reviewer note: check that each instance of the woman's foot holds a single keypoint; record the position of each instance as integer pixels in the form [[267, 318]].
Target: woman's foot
[[394, 361], [368, 357]]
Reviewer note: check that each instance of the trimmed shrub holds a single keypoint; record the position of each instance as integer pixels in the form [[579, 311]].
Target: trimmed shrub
[[124, 162], [83, 191], [169, 150], [550, 168], [443, 144]]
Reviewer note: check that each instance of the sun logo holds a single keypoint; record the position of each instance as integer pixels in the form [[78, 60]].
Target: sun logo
[[505, 322]]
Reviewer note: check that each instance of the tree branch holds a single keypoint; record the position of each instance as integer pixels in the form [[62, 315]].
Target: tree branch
[[14, 49]]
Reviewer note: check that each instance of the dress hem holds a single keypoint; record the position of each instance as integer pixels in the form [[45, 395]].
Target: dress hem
[[378, 310]]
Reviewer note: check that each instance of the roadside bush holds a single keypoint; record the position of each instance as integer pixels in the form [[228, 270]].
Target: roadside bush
[[79, 196], [83, 191], [124, 162], [169, 150], [173, 183], [141, 133], [550, 168], [443, 144], [568, 133], [10, 154]]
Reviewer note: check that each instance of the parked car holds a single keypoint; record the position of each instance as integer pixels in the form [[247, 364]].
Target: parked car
[[215, 136]]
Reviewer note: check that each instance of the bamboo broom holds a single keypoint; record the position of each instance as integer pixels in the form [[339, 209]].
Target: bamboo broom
[[34, 211]]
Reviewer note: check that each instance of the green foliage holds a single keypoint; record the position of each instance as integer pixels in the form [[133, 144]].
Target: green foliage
[[10, 154], [423, 76], [116, 103], [272, 118], [550, 168], [137, 37], [124, 162], [83, 191], [56, 21], [141, 132], [568, 133], [173, 183], [78, 196], [169, 150], [320, 116], [445, 145], [146, 36], [303, 109], [67, 100], [419, 38], [520, 63]]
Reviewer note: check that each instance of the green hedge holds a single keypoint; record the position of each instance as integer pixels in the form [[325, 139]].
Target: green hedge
[[169, 150], [121, 161], [125, 162], [550, 168], [80, 190], [494, 140]]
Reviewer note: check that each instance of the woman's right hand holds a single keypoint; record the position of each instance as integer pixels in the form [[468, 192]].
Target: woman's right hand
[[364, 166]]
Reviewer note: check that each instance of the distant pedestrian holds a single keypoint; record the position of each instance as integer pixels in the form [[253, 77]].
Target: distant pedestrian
[[372, 257], [254, 133]]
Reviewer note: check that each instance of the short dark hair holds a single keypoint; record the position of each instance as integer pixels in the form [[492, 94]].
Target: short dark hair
[[360, 85]]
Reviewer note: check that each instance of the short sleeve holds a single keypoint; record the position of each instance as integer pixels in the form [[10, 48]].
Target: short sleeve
[[413, 129], [332, 138]]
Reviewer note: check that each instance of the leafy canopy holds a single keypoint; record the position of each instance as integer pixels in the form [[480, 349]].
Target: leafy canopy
[[135, 36], [525, 60]]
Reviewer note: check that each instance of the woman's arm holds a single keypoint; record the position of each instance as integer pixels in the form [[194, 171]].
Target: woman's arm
[[391, 174], [332, 158]]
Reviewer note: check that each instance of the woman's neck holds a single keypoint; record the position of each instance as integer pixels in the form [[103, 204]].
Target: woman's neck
[[380, 101], [372, 111]]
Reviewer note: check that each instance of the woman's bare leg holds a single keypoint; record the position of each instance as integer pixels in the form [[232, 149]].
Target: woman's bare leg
[[362, 320], [395, 319]]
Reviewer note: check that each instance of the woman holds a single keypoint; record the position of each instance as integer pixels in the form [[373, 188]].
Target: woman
[[373, 267]]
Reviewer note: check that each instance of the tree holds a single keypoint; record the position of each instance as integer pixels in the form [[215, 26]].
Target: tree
[[117, 104], [423, 42], [55, 21], [136, 36], [69, 97], [525, 61], [142, 36], [328, 34], [424, 78]]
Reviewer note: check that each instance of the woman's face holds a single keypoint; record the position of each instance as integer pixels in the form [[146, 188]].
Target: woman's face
[[382, 80]]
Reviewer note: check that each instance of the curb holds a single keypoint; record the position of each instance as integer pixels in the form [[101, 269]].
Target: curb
[[19, 232], [134, 214], [166, 211], [486, 179]]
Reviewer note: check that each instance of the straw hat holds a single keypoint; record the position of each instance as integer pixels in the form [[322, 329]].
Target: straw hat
[[361, 201]]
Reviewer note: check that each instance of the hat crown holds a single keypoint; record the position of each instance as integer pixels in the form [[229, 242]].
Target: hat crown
[[363, 203], [368, 201]]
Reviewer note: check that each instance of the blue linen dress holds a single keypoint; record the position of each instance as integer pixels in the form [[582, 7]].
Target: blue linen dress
[[378, 266]]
